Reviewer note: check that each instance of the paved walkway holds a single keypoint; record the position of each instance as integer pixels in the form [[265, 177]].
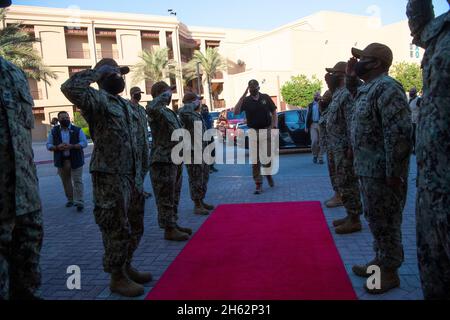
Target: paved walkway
[[74, 239]]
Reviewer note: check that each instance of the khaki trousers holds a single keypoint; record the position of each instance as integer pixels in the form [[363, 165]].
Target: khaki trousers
[[72, 180], [315, 141]]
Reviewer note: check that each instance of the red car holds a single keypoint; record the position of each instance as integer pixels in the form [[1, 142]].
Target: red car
[[228, 122]]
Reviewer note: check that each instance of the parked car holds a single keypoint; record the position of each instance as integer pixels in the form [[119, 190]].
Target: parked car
[[215, 117], [228, 122], [292, 126]]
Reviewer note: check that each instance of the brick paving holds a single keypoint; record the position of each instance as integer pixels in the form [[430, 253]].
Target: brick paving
[[72, 238]]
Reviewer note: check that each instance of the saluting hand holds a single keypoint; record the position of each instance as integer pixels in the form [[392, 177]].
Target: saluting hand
[[245, 93], [351, 67]]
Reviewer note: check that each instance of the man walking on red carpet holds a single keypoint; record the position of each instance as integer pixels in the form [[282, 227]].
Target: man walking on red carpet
[[261, 114]]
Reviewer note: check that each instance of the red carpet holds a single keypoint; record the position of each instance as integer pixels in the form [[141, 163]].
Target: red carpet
[[276, 251]]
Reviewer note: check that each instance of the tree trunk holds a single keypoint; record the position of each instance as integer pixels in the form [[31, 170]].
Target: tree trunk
[[210, 95]]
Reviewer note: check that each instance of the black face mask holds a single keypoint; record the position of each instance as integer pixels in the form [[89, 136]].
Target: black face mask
[[334, 81], [65, 123], [361, 68], [254, 92], [137, 97], [113, 85]]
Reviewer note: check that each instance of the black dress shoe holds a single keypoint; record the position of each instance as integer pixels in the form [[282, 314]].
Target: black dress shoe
[[69, 204]]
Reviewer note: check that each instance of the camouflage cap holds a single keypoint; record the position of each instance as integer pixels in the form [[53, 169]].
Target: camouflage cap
[[135, 90], [160, 87], [375, 50], [5, 3], [191, 97], [113, 63], [339, 67]]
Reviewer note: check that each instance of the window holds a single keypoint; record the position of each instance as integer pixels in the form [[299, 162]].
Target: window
[[292, 117], [414, 51]]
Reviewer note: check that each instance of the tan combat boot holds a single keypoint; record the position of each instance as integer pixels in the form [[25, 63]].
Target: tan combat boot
[[138, 277], [173, 234], [339, 222], [334, 202], [207, 206], [389, 280], [352, 225], [361, 270], [199, 209], [185, 230], [122, 285]]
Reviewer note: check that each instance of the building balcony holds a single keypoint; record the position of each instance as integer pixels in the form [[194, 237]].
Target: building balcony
[[78, 54], [112, 54], [36, 94], [218, 75]]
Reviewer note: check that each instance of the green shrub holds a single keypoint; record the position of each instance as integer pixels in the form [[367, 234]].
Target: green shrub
[[300, 90], [86, 132], [408, 74], [79, 121]]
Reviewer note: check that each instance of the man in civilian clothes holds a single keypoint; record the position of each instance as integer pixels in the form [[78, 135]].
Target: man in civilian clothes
[[67, 142], [261, 115], [312, 126]]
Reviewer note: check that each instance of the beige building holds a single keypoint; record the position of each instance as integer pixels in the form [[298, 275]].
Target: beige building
[[73, 40]]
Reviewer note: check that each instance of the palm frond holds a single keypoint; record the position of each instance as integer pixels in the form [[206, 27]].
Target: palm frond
[[16, 46], [154, 65]]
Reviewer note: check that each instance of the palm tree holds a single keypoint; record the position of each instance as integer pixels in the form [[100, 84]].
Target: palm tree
[[16, 46], [155, 66], [210, 63]]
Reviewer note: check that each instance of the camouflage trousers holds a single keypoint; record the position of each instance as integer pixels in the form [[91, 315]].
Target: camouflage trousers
[[383, 209], [198, 180], [20, 247], [433, 197], [119, 213], [433, 241], [332, 171], [346, 182], [167, 180]]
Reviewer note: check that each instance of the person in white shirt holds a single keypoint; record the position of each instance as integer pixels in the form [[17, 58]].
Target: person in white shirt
[[312, 126], [414, 104]]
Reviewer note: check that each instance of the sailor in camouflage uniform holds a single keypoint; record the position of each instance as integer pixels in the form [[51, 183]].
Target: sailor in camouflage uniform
[[433, 149], [166, 176], [335, 201], [197, 169], [382, 145], [116, 166], [338, 127], [142, 147], [21, 230]]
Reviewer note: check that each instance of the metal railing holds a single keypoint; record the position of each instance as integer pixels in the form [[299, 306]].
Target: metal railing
[[112, 54], [78, 54]]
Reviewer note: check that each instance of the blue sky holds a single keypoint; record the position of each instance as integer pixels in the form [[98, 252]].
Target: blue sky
[[247, 14]]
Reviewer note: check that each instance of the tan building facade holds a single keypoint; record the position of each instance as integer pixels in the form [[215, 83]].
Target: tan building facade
[[72, 40]]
